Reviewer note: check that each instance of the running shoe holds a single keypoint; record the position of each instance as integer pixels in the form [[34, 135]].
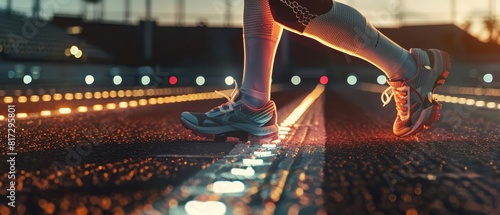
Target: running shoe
[[235, 118], [416, 107]]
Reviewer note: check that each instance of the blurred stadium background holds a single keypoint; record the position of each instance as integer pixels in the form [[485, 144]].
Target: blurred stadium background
[[62, 44]]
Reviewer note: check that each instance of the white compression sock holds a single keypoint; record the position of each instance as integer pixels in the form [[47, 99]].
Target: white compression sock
[[345, 29], [261, 37]]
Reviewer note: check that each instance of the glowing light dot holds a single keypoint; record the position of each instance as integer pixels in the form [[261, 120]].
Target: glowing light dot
[[123, 105], [172, 80], [229, 80], [97, 107], [22, 99], [111, 106], [45, 113], [200, 80], [46, 98], [64, 110], [57, 96], [88, 95], [97, 95], [381, 79], [89, 79], [78, 96], [73, 50], [296, 80], [35, 98], [2, 117], [22, 115], [133, 104], [82, 109], [323, 80], [352, 80], [117, 80], [78, 54], [27, 79], [145, 80], [8, 100], [228, 187], [105, 94], [488, 78], [196, 207], [68, 96]]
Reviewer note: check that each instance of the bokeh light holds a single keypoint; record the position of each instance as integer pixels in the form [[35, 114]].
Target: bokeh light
[[145, 80], [352, 80], [296, 80], [323, 80], [117, 80], [27, 79], [200, 80], [89, 79], [229, 80], [381, 79]]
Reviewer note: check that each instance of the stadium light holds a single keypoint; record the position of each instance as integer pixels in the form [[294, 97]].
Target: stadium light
[[381, 79], [200, 80], [323, 80], [89, 79], [11, 74], [488, 78], [352, 80], [78, 54], [172, 80], [229, 80], [73, 50], [27, 79], [296, 80], [117, 80], [145, 80]]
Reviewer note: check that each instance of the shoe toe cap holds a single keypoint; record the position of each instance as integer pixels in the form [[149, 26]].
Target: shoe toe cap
[[190, 117]]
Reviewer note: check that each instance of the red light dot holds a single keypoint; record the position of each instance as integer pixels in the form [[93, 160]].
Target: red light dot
[[323, 80], [172, 80]]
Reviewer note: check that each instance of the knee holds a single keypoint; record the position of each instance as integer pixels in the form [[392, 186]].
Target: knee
[[295, 15]]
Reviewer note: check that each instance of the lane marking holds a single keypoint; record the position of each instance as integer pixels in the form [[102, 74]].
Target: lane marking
[[242, 160]]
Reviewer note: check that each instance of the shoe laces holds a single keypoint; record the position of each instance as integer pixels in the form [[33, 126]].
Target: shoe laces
[[402, 98], [230, 98]]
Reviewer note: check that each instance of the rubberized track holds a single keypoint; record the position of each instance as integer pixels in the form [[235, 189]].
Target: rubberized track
[[110, 162]]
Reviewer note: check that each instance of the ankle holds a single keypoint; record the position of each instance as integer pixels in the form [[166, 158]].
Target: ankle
[[253, 102]]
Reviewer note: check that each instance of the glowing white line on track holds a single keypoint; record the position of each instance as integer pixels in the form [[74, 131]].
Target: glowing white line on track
[[249, 155]]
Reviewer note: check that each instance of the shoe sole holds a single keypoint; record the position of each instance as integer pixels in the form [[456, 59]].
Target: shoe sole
[[243, 136], [431, 114]]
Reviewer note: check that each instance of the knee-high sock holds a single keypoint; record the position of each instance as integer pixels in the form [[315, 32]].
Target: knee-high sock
[[345, 29], [261, 37]]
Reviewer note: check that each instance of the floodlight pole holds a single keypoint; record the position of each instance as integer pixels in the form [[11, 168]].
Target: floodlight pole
[[36, 9], [180, 12], [228, 13], [9, 6], [127, 11], [103, 8], [148, 10]]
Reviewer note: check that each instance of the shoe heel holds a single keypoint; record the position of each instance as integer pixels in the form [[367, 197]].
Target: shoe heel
[[436, 107], [441, 79]]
